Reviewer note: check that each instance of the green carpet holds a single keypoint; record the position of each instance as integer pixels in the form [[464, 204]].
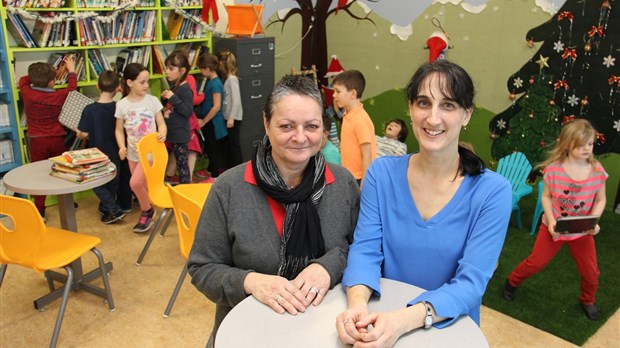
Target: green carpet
[[549, 300]]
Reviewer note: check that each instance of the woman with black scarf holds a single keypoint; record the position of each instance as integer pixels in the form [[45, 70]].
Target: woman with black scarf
[[277, 227]]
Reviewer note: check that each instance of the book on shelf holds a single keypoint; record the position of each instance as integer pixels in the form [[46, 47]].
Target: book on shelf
[[84, 156], [570, 227], [6, 151], [4, 115], [19, 31], [71, 111], [109, 169]]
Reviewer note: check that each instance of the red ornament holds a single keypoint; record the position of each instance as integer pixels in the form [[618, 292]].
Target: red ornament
[[542, 143], [601, 137], [530, 42], [605, 4], [512, 96], [531, 81], [567, 119]]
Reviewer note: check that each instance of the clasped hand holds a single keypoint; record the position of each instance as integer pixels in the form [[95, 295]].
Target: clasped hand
[[294, 296], [357, 327]]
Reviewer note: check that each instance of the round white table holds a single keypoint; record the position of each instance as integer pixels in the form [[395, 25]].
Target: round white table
[[253, 324], [34, 179]]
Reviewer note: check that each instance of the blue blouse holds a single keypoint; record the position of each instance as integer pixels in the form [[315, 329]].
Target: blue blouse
[[452, 255]]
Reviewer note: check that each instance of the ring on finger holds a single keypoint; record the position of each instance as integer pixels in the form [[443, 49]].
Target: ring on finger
[[315, 289], [348, 320], [278, 298]]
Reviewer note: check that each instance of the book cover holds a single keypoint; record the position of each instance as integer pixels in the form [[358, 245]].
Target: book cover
[[71, 111], [85, 156], [81, 179], [174, 24], [85, 169]]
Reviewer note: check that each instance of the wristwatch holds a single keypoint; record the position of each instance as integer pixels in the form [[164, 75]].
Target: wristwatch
[[428, 319]]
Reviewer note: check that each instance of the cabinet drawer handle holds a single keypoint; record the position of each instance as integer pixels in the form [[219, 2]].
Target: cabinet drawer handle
[[256, 51], [256, 96], [256, 83], [256, 65]]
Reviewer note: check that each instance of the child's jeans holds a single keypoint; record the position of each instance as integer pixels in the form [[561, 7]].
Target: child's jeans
[[582, 250]]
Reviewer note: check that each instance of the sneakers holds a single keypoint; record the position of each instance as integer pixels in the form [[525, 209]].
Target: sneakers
[[42, 213], [110, 218], [591, 311], [126, 211], [145, 222], [202, 174], [509, 291]]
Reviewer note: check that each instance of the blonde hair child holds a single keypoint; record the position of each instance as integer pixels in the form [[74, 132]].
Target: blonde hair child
[[574, 185]]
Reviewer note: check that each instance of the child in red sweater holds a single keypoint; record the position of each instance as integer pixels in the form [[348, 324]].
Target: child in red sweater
[[42, 105]]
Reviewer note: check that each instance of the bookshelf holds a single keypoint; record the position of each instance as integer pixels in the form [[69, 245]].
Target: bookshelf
[[10, 150], [99, 32]]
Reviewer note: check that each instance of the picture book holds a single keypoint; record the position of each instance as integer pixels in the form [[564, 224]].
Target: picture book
[[85, 156], [109, 169], [71, 111], [61, 164], [575, 226]]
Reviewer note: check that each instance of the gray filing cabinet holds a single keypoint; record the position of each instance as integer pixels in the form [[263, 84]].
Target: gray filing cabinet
[[255, 61]]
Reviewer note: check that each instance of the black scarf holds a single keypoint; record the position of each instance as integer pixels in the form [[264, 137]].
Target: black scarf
[[302, 239]]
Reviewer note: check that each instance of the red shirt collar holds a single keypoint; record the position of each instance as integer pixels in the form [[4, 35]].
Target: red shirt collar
[[250, 179]]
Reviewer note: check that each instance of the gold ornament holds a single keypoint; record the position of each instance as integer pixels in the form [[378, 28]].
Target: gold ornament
[[512, 96], [551, 102], [531, 114], [587, 47], [542, 62]]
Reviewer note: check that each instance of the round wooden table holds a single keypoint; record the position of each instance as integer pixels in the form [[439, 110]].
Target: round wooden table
[[253, 324]]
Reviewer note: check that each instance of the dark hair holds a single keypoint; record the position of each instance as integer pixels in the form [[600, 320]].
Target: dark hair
[[179, 60], [292, 85], [352, 80], [327, 121], [131, 72], [208, 61], [108, 81], [404, 132], [455, 83], [40, 74]]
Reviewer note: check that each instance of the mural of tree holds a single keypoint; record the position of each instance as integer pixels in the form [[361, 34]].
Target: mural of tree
[[580, 59], [314, 14]]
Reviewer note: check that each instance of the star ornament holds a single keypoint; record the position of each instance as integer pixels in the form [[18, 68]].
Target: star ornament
[[542, 62]]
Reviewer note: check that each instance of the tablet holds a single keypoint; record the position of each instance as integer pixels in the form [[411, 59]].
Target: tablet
[[575, 225]]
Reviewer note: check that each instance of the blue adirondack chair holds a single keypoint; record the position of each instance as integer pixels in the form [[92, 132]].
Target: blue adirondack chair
[[516, 168], [539, 209]]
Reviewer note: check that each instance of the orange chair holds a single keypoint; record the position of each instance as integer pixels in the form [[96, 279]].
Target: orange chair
[[187, 211], [26, 241], [154, 158]]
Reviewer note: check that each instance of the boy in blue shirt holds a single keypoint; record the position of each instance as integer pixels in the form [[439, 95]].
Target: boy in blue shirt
[[97, 124]]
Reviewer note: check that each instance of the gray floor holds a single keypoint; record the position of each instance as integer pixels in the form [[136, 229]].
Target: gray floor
[[141, 295]]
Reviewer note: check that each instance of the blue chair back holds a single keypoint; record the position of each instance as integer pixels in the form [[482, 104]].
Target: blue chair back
[[516, 168]]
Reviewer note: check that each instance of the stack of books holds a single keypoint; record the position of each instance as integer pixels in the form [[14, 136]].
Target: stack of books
[[82, 166]]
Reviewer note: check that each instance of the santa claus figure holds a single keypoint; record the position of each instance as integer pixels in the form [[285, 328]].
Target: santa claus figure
[[437, 44]]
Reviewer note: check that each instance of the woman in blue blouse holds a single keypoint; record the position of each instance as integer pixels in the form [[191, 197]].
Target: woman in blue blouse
[[435, 219]]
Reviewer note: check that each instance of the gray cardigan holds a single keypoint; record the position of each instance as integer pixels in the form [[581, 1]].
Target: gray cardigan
[[236, 235]]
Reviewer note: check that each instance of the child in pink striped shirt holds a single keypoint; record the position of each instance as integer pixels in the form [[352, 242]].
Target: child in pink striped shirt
[[574, 186]]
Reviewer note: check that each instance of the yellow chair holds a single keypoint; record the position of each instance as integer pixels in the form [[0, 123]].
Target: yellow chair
[[154, 158], [26, 241], [187, 211]]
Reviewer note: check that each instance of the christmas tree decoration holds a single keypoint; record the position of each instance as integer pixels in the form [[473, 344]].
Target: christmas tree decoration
[[573, 74], [532, 125], [437, 44]]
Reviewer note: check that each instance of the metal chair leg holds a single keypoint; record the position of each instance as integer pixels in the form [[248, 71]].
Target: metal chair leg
[[152, 235], [2, 272], [177, 288], [163, 230], [104, 277], [63, 306]]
